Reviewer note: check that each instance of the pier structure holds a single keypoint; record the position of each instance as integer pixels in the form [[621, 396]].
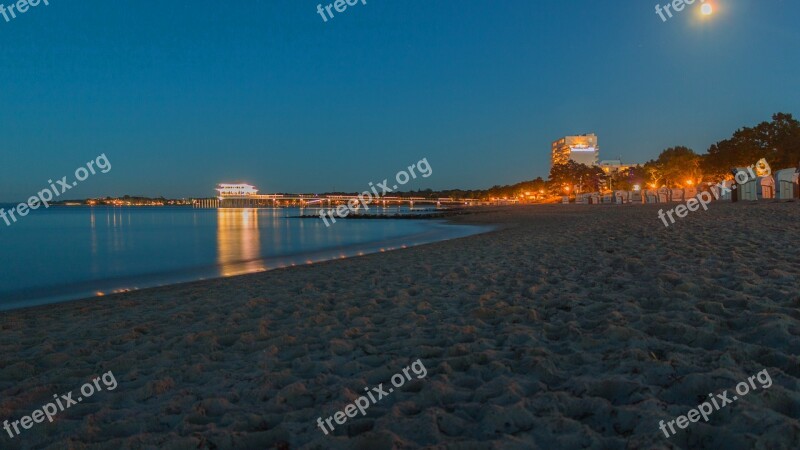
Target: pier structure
[[246, 196], [205, 203]]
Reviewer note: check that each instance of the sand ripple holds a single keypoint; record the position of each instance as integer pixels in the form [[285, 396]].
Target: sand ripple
[[572, 327]]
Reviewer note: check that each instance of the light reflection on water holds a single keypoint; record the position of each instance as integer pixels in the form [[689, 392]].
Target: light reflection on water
[[238, 241], [67, 253]]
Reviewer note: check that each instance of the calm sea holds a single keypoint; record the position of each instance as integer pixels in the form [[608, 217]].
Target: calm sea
[[65, 253]]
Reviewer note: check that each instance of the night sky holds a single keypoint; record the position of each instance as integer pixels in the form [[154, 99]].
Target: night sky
[[182, 95]]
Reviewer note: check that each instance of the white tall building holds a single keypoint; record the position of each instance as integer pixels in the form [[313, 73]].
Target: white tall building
[[582, 149]]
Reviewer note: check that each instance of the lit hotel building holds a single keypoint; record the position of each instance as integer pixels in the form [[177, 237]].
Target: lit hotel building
[[582, 149]]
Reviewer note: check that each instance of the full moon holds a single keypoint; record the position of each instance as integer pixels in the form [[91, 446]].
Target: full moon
[[707, 9]]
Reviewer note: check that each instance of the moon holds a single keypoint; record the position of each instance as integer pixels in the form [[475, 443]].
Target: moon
[[707, 9]]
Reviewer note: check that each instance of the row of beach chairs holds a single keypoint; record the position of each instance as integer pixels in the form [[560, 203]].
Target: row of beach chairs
[[783, 184]]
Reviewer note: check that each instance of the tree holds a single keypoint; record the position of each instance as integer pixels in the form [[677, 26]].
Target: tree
[[625, 180], [677, 166], [778, 141], [655, 175], [575, 177], [785, 140]]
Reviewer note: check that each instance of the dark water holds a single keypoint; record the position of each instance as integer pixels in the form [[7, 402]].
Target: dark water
[[67, 253]]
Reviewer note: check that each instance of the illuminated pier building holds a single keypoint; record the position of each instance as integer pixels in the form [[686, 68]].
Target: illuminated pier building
[[236, 190]]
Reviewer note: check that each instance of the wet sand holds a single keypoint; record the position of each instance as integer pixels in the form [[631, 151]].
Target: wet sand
[[569, 327]]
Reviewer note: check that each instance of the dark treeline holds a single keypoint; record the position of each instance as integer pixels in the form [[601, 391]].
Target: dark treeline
[[777, 141], [533, 187]]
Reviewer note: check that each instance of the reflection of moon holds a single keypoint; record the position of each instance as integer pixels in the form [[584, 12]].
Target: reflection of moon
[[707, 9]]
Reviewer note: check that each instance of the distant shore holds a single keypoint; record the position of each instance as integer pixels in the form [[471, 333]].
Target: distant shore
[[570, 326], [438, 214]]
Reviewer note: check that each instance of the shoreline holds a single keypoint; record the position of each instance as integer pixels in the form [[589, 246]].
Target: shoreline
[[442, 214], [568, 326], [437, 230]]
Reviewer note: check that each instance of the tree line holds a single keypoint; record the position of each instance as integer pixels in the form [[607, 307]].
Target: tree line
[[778, 141]]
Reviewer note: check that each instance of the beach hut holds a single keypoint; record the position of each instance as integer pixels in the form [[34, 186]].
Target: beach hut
[[565, 200], [664, 195], [745, 187], [636, 196], [766, 187], [726, 191], [608, 198], [582, 199], [788, 185], [748, 190], [621, 197], [676, 195], [651, 196], [689, 192], [595, 198]]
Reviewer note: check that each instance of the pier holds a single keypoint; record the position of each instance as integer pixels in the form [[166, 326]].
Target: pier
[[324, 201], [246, 196]]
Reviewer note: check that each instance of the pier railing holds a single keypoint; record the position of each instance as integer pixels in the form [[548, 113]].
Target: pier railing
[[310, 201]]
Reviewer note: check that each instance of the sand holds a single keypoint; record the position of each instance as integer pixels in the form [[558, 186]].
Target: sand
[[569, 327]]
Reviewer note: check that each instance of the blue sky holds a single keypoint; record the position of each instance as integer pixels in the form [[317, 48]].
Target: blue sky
[[183, 95]]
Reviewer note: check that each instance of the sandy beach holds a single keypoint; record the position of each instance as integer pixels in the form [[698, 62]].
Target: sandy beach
[[567, 327]]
